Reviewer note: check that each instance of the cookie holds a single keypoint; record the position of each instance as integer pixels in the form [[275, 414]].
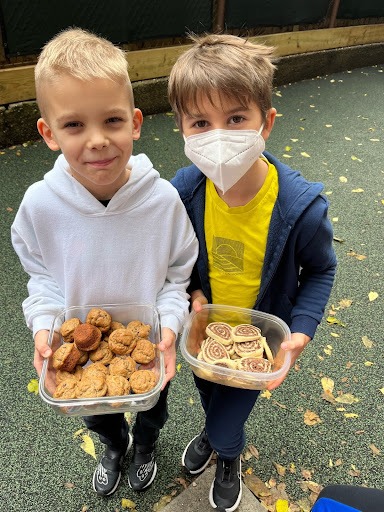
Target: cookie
[[66, 357], [144, 352], [103, 354], [87, 337], [245, 332], [212, 350], [122, 365], [99, 318], [138, 329], [122, 341], [117, 385], [66, 389], [62, 375], [254, 364], [91, 387], [95, 369], [253, 348], [67, 328], [220, 331], [142, 381]]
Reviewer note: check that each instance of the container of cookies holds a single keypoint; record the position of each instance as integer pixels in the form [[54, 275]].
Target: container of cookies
[[105, 360], [236, 347]]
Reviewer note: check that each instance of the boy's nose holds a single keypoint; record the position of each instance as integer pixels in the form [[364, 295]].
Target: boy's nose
[[97, 140]]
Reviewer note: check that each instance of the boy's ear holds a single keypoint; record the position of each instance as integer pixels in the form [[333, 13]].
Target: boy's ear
[[137, 121], [269, 122], [47, 134]]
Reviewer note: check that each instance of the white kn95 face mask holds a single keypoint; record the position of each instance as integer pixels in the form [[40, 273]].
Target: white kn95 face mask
[[224, 156]]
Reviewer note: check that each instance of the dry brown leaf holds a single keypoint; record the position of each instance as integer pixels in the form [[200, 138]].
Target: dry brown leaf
[[307, 474], [256, 485], [328, 397], [359, 257], [374, 449], [281, 470], [328, 384], [311, 418], [367, 342], [310, 485]]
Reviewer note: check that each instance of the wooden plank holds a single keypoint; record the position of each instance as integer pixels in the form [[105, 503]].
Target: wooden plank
[[17, 83]]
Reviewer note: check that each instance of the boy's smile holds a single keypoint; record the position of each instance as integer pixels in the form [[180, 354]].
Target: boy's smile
[[94, 124]]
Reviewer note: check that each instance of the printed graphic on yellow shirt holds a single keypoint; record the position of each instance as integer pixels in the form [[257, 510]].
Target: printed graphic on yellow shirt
[[228, 255]]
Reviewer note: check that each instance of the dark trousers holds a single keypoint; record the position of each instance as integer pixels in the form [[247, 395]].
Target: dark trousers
[[363, 499], [227, 409], [113, 429]]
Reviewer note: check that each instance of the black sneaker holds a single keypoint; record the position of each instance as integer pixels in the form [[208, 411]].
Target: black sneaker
[[197, 454], [143, 468], [107, 475], [225, 492]]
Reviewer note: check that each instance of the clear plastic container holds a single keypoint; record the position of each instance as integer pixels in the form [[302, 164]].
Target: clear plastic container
[[123, 313], [272, 327]]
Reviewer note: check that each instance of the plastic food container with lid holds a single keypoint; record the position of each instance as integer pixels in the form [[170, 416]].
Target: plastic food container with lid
[[272, 328]]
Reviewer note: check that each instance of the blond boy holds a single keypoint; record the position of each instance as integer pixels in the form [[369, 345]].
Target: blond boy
[[88, 233]]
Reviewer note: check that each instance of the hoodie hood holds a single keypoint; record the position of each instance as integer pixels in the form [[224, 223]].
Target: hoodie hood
[[137, 189]]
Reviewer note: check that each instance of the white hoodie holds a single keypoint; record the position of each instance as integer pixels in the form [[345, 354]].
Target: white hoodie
[[140, 248]]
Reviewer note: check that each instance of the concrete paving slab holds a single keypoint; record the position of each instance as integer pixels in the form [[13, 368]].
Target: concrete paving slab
[[195, 497]]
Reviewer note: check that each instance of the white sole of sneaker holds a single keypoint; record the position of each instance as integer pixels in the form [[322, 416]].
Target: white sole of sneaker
[[236, 504], [196, 471]]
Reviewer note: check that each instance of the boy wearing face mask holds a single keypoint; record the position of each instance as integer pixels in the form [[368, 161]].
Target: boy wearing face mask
[[265, 239]]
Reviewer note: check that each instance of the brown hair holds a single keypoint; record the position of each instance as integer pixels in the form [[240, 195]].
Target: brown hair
[[223, 63]]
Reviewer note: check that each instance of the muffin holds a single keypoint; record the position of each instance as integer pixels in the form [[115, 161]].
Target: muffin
[[91, 387], [66, 357], [87, 337]]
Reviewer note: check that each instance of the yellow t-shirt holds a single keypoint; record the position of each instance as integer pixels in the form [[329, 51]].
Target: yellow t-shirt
[[236, 240]]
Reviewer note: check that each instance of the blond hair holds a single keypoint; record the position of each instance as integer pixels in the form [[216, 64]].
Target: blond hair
[[229, 65], [83, 55]]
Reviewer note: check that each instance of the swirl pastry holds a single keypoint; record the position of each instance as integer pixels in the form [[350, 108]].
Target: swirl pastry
[[226, 363], [142, 381], [254, 364], [220, 331], [212, 350], [252, 348], [267, 350], [245, 332]]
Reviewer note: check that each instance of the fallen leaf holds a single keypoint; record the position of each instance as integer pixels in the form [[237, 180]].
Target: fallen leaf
[[69, 485], [359, 257], [281, 506], [307, 474], [353, 157], [256, 485], [266, 394], [303, 153], [33, 386], [178, 367], [88, 446], [334, 320], [328, 384], [287, 148], [343, 179], [351, 415], [345, 303], [372, 296], [368, 363], [191, 401], [311, 418], [346, 398], [381, 390], [127, 504], [374, 449], [163, 501], [281, 470], [358, 190]]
